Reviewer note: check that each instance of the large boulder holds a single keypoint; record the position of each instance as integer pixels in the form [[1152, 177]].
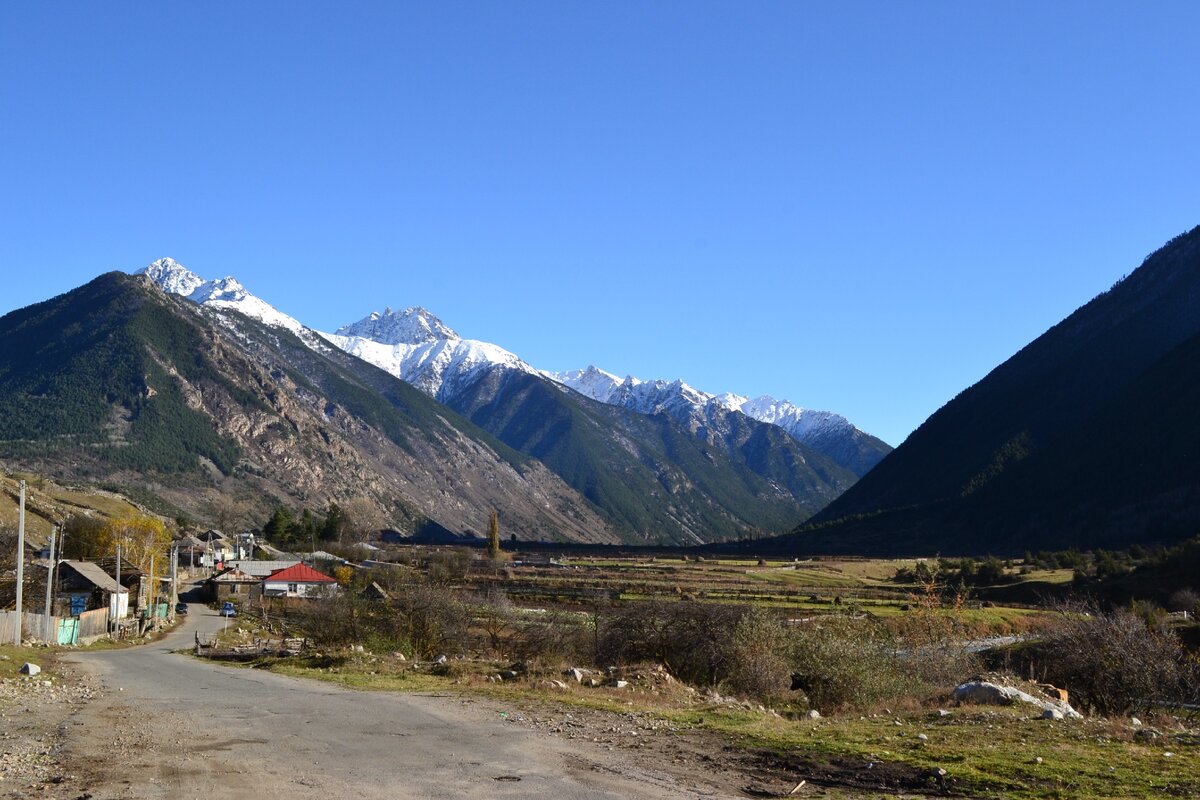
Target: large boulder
[[993, 694]]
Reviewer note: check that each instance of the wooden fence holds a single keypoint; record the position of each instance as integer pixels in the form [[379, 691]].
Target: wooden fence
[[93, 624], [63, 630], [33, 626]]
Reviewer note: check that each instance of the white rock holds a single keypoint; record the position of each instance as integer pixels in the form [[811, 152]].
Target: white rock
[[29, 668], [813, 714], [1052, 713], [985, 693]]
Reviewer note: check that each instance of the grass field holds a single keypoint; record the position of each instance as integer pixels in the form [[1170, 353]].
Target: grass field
[[47, 504], [987, 752]]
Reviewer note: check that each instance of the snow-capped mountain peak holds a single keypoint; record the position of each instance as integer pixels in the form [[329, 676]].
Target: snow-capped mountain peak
[[592, 382], [172, 276], [417, 347], [413, 325]]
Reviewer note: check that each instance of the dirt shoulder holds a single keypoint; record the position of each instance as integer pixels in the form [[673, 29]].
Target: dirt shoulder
[[37, 715]]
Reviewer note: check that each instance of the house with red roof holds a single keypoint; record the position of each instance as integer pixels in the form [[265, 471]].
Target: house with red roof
[[298, 580]]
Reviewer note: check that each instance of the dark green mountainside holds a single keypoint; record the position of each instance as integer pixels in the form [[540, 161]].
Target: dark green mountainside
[[121, 384], [648, 475], [1086, 437]]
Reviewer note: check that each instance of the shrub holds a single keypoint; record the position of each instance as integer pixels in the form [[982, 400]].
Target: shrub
[[757, 663], [691, 639], [839, 662], [1114, 662], [430, 618]]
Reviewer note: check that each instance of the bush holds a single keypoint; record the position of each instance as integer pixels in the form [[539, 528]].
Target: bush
[[1115, 663], [690, 639], [757, 663], [840, 662], [431, 619]]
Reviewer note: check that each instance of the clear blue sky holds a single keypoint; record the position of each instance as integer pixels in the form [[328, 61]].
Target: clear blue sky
[[862, 207]]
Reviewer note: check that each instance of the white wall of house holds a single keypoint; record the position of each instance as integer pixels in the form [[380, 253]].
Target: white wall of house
[[118, 604], [297, 589]]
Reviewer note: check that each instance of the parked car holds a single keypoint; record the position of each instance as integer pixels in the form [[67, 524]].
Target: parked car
[[181, 609], [228, 610]]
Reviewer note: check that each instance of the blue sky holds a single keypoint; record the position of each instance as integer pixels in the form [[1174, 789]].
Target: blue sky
[[861, 207]]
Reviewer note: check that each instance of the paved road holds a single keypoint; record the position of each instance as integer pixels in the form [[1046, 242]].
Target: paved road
[[196, 729]]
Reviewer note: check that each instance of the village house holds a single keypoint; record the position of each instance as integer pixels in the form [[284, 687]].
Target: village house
[[84, 586], [298, 580], [232, 583]]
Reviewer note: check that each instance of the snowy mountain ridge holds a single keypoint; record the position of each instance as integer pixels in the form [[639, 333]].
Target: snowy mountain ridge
[[694, 407], [412, 344], [417, 347], [174, 278]]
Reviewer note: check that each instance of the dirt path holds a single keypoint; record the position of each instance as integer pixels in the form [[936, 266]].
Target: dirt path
[[148, 722], [172, 726]]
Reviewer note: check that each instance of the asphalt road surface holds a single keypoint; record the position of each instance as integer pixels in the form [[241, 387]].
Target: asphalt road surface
[[174, 726]]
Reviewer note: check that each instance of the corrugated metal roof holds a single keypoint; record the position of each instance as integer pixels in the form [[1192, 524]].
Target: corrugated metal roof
[[261, 569], [96, 575]]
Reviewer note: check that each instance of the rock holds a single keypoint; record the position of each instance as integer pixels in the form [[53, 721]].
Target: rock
[[922, 737], [358, 648], [399, 656], [440, 660], [943, 712], [29, 668], [1147, 734], [1135, 722], [936, 774], [986, 693], [575, 673], [1037, 760], [620, 684], [813, 714], [509, 675], [1052, 713]]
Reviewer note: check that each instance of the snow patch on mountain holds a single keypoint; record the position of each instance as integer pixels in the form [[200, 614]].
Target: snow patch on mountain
[[417, 347]]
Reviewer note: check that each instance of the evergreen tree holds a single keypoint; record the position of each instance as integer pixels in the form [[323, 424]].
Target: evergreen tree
[[334, 525], [279, 527]]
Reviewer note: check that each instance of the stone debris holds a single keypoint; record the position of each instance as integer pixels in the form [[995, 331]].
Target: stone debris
[[36, 714], [988, 693]]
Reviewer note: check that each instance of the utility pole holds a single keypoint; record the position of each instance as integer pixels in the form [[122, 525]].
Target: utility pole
[[50, 638], [174, 579], [117, 607], [20, 561]]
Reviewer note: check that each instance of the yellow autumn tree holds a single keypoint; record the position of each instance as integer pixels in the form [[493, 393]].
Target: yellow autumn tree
[[144, 542]]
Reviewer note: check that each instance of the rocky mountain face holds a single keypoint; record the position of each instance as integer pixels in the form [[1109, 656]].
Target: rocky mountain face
[[647, 474], [122, 384], [1086, 437], [655, 473]]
